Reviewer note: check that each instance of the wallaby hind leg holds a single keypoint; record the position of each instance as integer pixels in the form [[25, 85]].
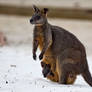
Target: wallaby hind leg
[[62, 74], [66, 68], [87, 77], [63, 78], [71, 78]]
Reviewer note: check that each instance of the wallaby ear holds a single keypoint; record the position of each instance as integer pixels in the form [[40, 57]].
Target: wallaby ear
[[43, 64], [35, 8], [45, 10]]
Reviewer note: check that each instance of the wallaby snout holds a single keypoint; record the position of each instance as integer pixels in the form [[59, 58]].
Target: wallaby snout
[[45, 75], [31, 21]]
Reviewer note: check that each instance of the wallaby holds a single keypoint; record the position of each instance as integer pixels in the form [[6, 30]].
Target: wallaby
[[39, 40], [54, 41]]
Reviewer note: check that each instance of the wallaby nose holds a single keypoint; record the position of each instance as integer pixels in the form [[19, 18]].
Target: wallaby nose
[[31, 21], [44, 75]]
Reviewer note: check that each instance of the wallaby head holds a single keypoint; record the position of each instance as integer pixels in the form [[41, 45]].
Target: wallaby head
[[39, 16], [46, 69]]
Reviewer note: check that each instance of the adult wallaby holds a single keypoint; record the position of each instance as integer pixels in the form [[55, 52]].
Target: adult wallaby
[[57, 43]]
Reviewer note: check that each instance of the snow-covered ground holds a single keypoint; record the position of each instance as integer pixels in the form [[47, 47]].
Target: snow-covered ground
[[19, 72]]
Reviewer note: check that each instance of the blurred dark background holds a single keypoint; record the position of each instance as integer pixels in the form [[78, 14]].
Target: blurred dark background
[[74, 9]]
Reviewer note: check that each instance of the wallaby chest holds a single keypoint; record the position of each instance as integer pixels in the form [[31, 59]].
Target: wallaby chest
[[40, 37]]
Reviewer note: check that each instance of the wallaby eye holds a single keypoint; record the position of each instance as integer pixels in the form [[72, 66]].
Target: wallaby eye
[[38, 17]]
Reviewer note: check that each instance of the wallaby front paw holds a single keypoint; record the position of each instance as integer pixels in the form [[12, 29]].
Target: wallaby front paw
[[34, 56], [41, 56]]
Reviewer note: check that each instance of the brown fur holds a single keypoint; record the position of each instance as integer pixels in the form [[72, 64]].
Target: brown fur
[[66, 53], [49, 60]]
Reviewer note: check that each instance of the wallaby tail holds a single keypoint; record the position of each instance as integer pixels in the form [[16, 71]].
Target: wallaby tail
[[87, 77]]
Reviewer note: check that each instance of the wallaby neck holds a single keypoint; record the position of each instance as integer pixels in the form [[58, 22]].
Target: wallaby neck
[[42, 26]]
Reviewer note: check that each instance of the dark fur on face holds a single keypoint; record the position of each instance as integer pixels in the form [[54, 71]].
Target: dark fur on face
[[46, 69], [39, 16]]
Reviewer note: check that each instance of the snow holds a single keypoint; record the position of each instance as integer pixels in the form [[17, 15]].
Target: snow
[[20, 73]]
